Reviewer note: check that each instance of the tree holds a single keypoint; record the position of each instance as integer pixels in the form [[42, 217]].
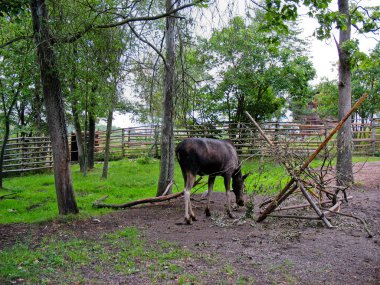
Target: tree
[[18, 80], [364, 20], [366, 79], [112, 52], [344, 138], [167, 130], [54, 107], [260, 69], [100, 16], [327, 98], [10, 92], [88, 84]]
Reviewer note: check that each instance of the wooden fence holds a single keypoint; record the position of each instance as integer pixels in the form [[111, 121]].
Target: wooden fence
[[34, 153], [27, 154]]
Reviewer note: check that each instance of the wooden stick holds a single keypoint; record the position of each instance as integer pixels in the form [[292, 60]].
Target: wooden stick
[[370, 234], [293, 217], [334, 209], [266, 202], [307, 205], [98, 204], [315, 195], [167, 188], [259, 129], [321, 189], [276, 202], [314, 206]]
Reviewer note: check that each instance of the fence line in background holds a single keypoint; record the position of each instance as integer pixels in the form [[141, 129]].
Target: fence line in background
[[34, 153], [27, 154]]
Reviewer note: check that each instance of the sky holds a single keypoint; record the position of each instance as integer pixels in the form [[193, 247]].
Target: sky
[[323, 54]]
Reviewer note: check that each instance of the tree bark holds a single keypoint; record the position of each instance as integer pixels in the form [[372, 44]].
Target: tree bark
[[7, 122], [91, 131], [344, 138], [107, 146], [167, 133], [52, 91], [3, 147], [78, 136], [37, 108]]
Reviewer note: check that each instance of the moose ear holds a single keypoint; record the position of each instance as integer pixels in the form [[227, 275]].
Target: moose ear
[[246, 175]]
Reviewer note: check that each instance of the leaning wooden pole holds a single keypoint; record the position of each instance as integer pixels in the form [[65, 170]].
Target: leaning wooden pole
[[320, 214], [277, 201]]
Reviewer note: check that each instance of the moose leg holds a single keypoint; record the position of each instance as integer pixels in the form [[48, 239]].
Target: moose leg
[[211, 180], [227, 180], [189, 214]]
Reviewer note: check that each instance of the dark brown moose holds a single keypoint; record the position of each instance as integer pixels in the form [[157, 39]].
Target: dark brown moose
[[203, 156]]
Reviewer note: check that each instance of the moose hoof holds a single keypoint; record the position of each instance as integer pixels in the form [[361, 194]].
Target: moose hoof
[[187, 221], [207, 212], [194, 218]]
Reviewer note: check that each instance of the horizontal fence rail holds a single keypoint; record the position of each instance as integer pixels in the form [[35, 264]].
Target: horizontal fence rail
[[34, 153], [27, 154]]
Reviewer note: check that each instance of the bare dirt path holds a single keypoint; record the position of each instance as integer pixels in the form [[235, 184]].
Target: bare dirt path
[[276, 251]]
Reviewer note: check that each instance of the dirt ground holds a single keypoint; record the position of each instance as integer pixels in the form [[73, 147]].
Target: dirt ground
[[276, 251]]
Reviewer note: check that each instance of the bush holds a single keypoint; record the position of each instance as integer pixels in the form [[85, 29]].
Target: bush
[[99, 156], [144, 160]]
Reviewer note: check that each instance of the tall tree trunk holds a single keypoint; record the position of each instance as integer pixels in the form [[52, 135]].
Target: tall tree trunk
[[21, 116], [78, 136], [344, 138], [3, 147], [7, 121], [167, 133], [91, 131], [52, 91], [107, 146]]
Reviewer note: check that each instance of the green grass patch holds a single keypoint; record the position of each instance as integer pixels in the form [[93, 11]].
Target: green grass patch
[[74, 260], [34, 198]]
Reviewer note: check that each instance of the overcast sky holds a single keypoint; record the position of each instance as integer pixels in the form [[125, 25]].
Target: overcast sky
[[323, 54]]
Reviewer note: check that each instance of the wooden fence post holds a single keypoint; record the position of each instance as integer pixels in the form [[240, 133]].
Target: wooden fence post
[[129, 136], [373, 128], [122, 142]]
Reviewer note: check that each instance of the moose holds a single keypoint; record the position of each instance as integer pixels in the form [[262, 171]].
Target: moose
[[212, 157]]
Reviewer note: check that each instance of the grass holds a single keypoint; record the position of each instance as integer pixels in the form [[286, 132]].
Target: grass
[[123, 254], [120, 253], [35, 198]]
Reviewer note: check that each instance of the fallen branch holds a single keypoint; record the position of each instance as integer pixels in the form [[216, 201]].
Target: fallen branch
[[294, 217], [370, 234], [98, 203]]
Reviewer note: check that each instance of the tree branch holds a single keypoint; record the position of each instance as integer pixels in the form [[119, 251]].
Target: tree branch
[[148, 43], [15, 40], [148, 18], [127, 21], [78, 35]]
